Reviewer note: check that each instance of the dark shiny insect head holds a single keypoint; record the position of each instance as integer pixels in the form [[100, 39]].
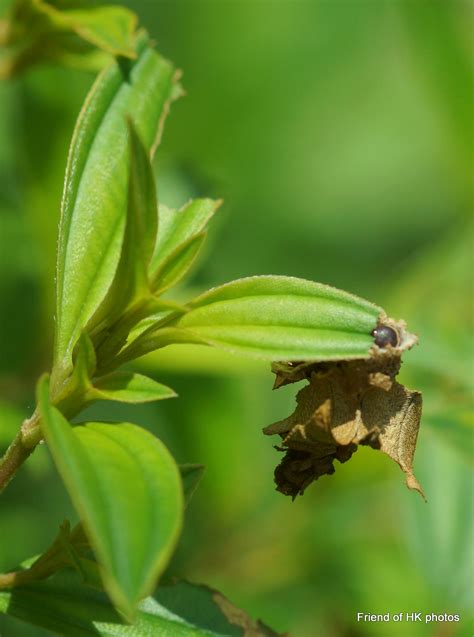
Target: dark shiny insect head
[[385, 335]]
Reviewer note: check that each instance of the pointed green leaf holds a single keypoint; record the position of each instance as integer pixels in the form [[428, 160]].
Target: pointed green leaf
[[127, 387], [131, 278], [271, 318], [66, 606], [178, 226], [142, 203], [177, 264], [127, 490], [283, 318], [95, 192]]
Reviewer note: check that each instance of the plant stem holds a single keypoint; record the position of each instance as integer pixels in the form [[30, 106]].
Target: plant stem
[[14, 457], [16, 578], [70, 400], [32, 574], [30, 434]]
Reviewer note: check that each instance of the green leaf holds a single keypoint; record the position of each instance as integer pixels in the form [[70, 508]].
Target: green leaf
[[36, 31], [131, 277], [191, 475], [177, 264], [142, 204], [109, 28], [66, 606], [127, 490], [273, 318], [178, 226], [95, 192], [283, 318], [127, 387]]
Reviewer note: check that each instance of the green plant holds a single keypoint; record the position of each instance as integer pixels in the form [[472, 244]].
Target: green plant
[[116, 259]]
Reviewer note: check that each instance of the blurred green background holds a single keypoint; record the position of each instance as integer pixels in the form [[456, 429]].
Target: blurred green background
[[340, 135]]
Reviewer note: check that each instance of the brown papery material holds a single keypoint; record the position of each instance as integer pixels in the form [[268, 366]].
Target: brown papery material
[[345, 404]]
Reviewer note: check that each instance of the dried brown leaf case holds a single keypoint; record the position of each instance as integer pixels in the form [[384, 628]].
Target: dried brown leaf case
[[346, 404]]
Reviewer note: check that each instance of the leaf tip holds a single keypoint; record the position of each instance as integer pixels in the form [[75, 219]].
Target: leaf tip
[[413, 484]]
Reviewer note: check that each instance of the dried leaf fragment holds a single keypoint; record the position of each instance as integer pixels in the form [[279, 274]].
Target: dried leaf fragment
[[345, 404]]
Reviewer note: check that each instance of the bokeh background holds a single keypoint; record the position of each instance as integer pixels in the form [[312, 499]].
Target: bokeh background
[[340, 136]]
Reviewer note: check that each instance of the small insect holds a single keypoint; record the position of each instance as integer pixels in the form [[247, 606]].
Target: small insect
[[385, 335]]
